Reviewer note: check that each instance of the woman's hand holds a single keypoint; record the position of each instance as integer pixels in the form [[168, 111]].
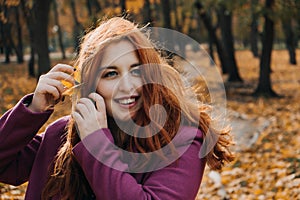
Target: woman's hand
[[49, 89], [90, 114]]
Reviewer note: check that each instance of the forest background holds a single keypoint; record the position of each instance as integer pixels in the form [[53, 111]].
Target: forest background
[[254, 44]]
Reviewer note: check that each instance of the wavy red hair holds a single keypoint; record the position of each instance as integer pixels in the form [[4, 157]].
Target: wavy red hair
[[165, 88]]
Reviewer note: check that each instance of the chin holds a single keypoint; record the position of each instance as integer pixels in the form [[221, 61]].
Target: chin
[[124, 118]]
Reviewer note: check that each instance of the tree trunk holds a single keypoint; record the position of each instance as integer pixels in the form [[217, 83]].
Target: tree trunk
[[157, 15], [19, 47], [78, 29], [264, 87], [10, 40], [297, 19], [169, 44], [10, 45], [60, 39], [289, 39], [5, 32], [147, 17], [1, 36], [166, 14], [181, 44], [89, 7], [41, 12], [29, 22], [123, 6], [1, 33], [211, 50], [213, 36], [6, 45], [96, 6], [254, 29], [93, 8], [225, 19]]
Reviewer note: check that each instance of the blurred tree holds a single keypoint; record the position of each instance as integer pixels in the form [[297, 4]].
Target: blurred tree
[[77, 28], [36, 14], [254, 28], [5, 26], [225, 21], [264, 87], [297, 19], [290, 40], [287, 11], [58, 29], [179, 16], [123, 6], [93, 7], [169, 40], [10, 14], [106, 3], [166, 14], [212, 34], [28, 15], [157, 16], [19, 46], [41, 10], [147, 17]]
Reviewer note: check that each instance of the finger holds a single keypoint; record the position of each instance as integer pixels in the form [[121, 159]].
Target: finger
[[60, 76], [100, 104], [89, 104], [63, 68], [45, 86], [82, 109], [59, 86], [79, 122], [50, 89], [77, 117]]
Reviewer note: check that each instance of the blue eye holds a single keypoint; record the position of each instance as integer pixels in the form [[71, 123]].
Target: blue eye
[[110, 74], [136, 71]]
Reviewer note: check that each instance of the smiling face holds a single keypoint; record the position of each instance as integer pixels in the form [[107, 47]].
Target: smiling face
[[119, 81]]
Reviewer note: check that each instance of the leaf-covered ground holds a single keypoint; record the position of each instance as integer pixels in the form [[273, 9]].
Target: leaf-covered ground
[[269, 169]]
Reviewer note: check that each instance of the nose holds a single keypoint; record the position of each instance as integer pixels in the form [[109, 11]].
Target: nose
[[126, 84]]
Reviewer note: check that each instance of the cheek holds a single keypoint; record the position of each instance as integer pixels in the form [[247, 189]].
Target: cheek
[[105, 89], [139, 86], [138, 83]]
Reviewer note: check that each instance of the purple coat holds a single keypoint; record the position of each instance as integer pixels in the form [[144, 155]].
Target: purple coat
[[26, 156]]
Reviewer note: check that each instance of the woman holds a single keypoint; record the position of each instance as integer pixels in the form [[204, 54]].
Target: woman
[[133, 133]]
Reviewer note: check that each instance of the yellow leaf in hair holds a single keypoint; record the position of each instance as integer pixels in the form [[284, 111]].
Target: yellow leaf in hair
[[77, 76], [70, 87], [67, 84]]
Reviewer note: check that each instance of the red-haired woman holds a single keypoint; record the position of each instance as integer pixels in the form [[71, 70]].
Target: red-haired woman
[[134, 132]]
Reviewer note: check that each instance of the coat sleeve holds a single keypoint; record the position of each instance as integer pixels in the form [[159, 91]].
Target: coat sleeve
[[178, 180], [19, 142]]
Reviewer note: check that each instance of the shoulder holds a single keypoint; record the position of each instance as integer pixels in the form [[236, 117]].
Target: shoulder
[[58, 127], [188, 139], [192, 139], [190, 133]]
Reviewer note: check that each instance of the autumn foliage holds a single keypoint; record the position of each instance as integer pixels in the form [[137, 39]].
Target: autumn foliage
[[269, 169]]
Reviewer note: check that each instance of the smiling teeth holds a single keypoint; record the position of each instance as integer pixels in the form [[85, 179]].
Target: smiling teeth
[[127, 101]]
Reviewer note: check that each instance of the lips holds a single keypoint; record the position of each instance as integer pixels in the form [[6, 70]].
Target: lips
[[127, 102]]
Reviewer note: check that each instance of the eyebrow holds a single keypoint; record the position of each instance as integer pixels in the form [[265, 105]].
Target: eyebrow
[[114, 67]]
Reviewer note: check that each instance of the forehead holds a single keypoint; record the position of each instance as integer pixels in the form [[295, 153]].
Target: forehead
[[118, 49]]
